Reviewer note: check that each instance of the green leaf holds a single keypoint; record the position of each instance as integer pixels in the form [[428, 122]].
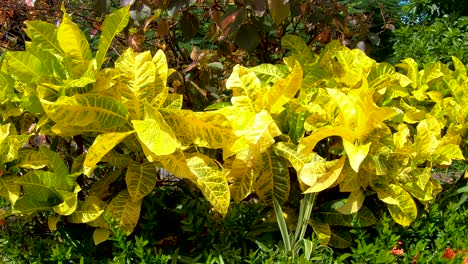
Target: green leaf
[[364, 217], [279, 10], [24, 66], [56, 163], [268, 74], [94, 112], [298, 46], [125, 211], [211, 181], [29, 205], [353, 203], [273, 181], [31, 159], [112, 25], [101, 146], [141, 179], [42, 185]]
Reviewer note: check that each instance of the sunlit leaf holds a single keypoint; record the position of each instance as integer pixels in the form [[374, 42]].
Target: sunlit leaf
[[153, 132], [112, 25], [400, 203], [356, 153], [319, 180], [91, 111]]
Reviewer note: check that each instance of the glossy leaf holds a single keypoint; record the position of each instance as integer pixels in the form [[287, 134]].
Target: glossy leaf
[[44, 36], [74, 45], [94, 112], [242, 174]]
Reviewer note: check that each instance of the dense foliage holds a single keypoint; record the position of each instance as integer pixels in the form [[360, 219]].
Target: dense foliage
[[89, 136]]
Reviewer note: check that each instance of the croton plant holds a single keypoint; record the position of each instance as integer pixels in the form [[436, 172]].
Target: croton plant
[[336, 120]]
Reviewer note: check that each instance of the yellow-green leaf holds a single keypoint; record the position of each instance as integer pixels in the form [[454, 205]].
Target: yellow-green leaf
[[356, 153], [94, 112], [353, 203], [112, 25], [211, 181], [101, 146], [204, 129], [137, 81], [273, 181], [88, 211], [283, 90], [125, 211], [400, 203], [155, 134], [325, 178], [244, 84], [242, 175], [70, 202], [141, 179], [74, 44], [9, 189], [100, 235]]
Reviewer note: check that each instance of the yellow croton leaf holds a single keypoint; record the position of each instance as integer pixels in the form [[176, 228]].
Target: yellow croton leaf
[[244, 84], [283, 90], [125, 211], [253, 129], [141, 179], [400, 203], [100, 235], [242, 175], [155, 134], [353, 203], [101, 146], [87, 211], [211, 181], [356, 153], [319, 180]]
